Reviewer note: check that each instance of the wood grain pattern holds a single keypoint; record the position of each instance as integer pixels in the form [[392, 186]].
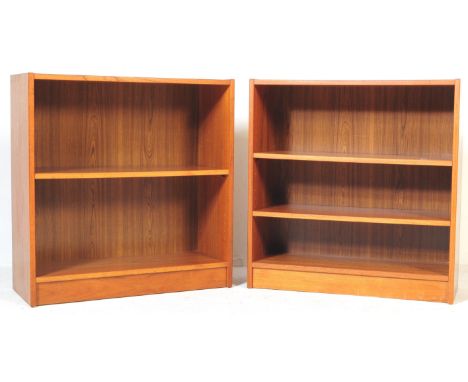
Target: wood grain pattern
[[455, 205], [126, 175], [364, 83], [93, 289], [350, 158], [214, 220], [425, 290], [120, 79], [353, 214], [256, 194], [95, 219], [358, 120], [355, 266], [386, 242], [95, 125], [424, 190], [77, 269], [22, 186], [215, 194], [356, 178]]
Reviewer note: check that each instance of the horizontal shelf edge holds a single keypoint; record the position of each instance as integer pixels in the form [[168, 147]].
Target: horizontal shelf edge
[[130, 272], [441, 82], [352, 218], [94, 78], [128, 174], [354, 269], [354, 159]]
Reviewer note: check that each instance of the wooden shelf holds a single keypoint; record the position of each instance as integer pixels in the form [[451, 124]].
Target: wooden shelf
[[363, 83], [126, 266], [130, 80], [353, 214], [355, 266], [354, 158], [105, 173]]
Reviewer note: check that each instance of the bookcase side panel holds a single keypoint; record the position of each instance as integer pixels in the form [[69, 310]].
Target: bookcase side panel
[[22, 185], [455, 200], [215, 195]]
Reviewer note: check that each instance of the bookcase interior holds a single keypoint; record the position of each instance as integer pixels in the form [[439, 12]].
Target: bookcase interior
[[375, 189], [123, 224], [85, 126], [346, 247], [405, 121]]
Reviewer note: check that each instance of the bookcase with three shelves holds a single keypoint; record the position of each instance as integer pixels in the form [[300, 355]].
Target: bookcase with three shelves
[[353, 187]]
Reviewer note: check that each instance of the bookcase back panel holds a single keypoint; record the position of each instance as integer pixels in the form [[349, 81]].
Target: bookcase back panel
[[92, 219], [354, 240], [396, 120], [129, 125], [421, 188]]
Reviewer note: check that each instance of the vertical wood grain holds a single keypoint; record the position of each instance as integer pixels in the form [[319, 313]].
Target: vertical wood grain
[[250, 222], [398, 243], [215, 201], [419, 188], [396, 120], [22, 172], [115, 125], [455, 204], [81, 123], [102, 218]]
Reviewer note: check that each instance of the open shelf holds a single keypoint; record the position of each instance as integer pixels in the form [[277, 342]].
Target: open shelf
[[107, 129], [371, 193], [90, 229], [125, 266], [371, 123], [349, 248], [354, 266], [103, 173], [355, 158], [353, 214]]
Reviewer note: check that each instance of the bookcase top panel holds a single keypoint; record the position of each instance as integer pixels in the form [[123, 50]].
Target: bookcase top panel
[[356, 82], [175, 81]]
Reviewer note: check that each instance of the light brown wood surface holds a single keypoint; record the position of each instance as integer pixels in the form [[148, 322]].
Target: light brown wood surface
[[455, 204], [22, 186], [104, 173], [354, 82], [366, 241], [215, 194], [350, 284], [138, 80], [124, 286], [352, 158], [353, 214], [400, 190], [77, 269], [355, 266], [411, 121], [88, 125]]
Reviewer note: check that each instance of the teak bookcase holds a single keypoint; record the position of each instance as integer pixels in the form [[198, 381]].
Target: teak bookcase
[[121, 186], [353, 187]]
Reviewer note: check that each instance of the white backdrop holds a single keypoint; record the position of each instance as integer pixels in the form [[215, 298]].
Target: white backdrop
[[240, 40], [235, 334]]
